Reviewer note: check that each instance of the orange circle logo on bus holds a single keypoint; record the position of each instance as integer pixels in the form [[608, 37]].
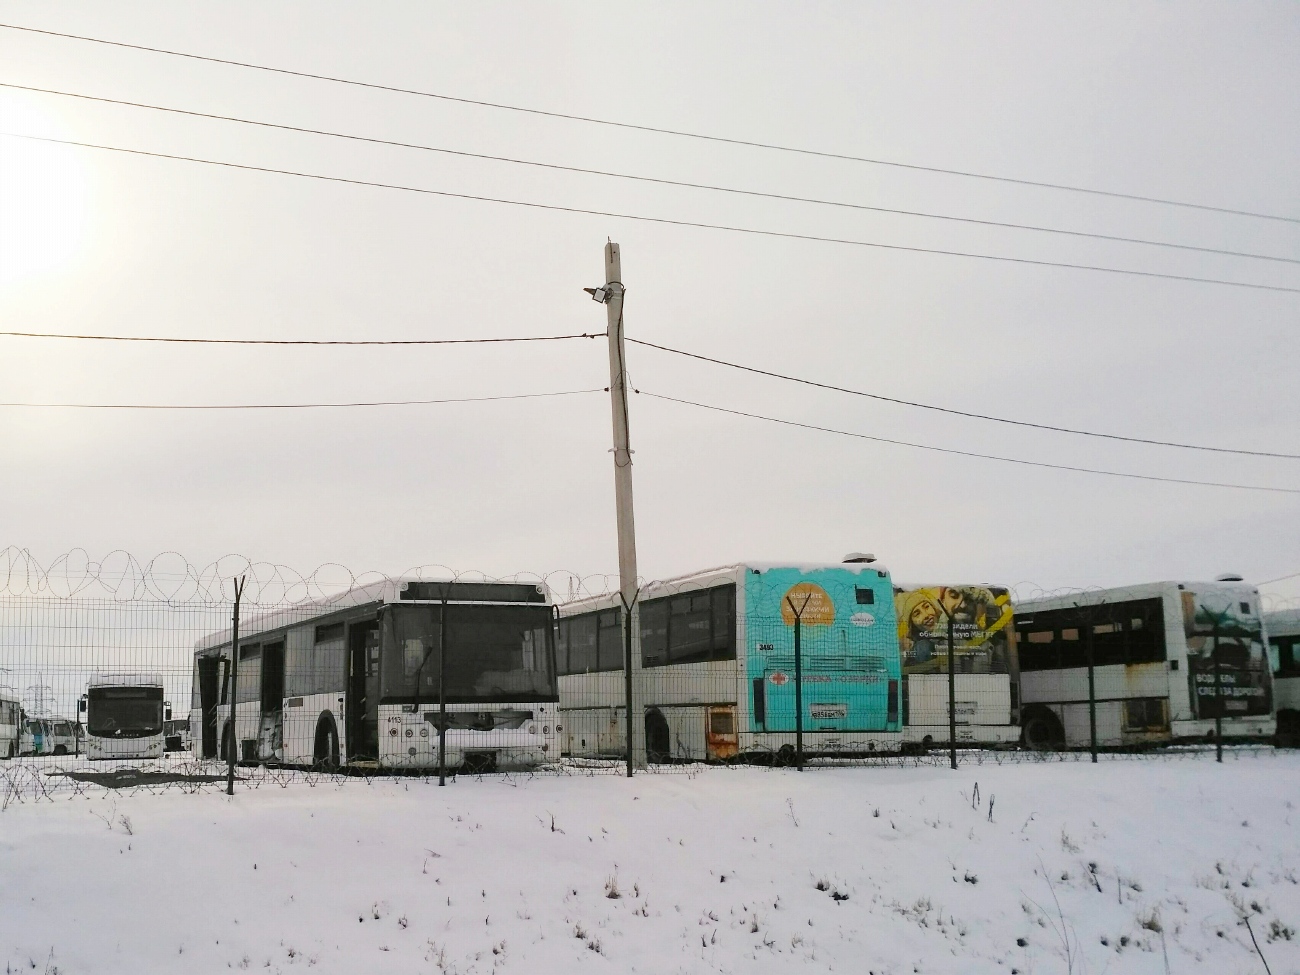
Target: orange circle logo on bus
[[811, 601]]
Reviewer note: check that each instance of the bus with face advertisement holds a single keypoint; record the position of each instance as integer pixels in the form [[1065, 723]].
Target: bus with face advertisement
[[985, 680], [718, 668], [1167, 659], [355, 680]]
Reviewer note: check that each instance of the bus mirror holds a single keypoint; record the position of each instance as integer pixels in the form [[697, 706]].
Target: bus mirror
[[167, 710], [81, 705]]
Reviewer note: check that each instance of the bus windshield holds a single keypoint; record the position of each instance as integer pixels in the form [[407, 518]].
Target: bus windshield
[[124, 712], [494, 653]]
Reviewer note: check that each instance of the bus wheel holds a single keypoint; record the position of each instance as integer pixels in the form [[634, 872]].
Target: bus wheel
[[658, 738], [325, 755], [785, 756], [1041, 730], [60, 749]]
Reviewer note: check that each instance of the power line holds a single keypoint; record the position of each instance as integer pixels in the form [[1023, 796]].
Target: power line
[[944, 409], [967, 453], [1269, 582], [658, 130], [295, 406], [209, 341], [661, 220], [1112, 238]]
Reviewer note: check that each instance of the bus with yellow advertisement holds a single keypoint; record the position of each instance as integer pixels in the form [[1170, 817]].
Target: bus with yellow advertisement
[[965, 630]]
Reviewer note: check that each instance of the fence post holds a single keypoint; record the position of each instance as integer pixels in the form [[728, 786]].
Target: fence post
[[1092, 694], [442, 692], [952, 698], [234, 686], [798, 678], [1218, 691], [627, 671]]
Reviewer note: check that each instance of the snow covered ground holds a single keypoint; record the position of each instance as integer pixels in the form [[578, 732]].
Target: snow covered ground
[[1126, 867]]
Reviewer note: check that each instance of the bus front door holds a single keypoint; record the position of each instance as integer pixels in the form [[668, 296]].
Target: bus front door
[[209, 691], [362, 709]]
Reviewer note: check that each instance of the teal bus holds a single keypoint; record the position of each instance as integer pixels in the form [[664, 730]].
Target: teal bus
[[716, 654]]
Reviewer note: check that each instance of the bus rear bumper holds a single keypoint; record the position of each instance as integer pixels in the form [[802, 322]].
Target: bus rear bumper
[[408, 749], [967, 734]]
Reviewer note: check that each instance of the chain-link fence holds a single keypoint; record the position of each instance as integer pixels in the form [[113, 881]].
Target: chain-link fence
[[129, 675]]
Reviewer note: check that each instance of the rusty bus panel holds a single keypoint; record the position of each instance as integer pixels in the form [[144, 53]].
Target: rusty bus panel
[[723, 741]]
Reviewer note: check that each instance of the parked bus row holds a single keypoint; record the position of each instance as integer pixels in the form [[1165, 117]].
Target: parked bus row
[[717, 652], [41, 734], [361, 680], [125, 718]]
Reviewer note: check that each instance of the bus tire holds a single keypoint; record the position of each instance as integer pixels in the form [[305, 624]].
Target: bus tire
[[60, 749], [1040, 729], [325, 754], [658, 738]]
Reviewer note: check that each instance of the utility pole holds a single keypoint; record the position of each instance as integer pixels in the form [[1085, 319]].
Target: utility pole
[[611, 295]]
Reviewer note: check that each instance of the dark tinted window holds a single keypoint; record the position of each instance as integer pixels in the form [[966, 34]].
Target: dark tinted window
[[1287, 652], [494, 653], [591, 643], [1123, 633], [250, 675], [124, 712], [689, 628], [654, 633]]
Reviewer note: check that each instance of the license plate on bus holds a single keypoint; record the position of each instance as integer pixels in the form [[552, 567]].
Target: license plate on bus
[[828, 712]]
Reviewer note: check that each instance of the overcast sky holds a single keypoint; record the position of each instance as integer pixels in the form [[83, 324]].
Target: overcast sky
[[1190, 102]]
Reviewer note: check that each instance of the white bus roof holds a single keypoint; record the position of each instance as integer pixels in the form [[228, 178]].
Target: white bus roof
[[704, 576], [1145, 590], [1282, 622], [125, 680], [384, 591]]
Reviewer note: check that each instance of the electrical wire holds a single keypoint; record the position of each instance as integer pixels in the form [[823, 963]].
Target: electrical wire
[[974, 416], [967, 453], [1269, 582], [786, 235], [210, 341], [295, 406], [1112, 238], [659, 130]]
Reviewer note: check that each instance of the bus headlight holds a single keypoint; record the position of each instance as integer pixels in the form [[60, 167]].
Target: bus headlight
[[532, 729], [424, 732], [393, 732], [410, 732], [546, 729]]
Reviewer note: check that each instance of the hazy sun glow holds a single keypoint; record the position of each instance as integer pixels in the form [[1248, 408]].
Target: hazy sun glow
[[43, 196]]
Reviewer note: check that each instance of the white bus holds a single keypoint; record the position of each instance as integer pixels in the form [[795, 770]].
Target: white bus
[[1283, 629], [11, 723], [985, 677], [718, 665], [1168, 657], [354, 680], [124, 716]]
